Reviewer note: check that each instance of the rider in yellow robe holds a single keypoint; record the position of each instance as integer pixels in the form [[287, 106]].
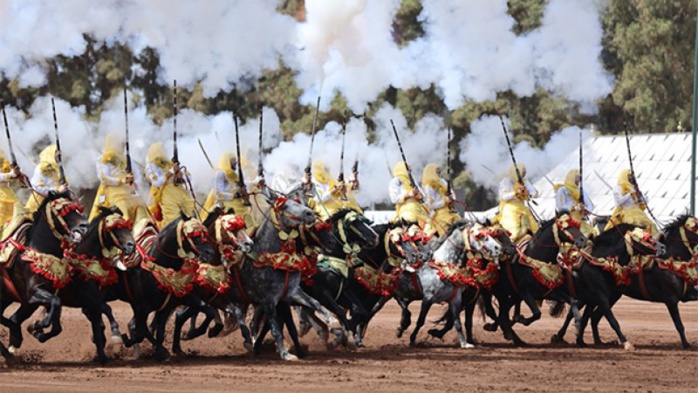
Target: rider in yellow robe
[[437, 201], [7, 194], [567, 198], [630, 205], [226, 191], [115, 188], [330, 196], [168, 195], [46, 178], [514, 215], [407, 199]]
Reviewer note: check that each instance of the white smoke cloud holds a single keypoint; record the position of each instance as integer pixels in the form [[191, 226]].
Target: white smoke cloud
[[468, 51], [486, 154]]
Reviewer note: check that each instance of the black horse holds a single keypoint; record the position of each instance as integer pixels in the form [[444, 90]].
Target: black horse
[[39, 271], [213, 282], [661, 282], [162, 279], [329, 284], [522, 279]]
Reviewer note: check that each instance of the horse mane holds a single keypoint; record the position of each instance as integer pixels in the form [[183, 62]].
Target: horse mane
[[338, 215], [677, 223], [610, 237], [172, 224], [215, 213], [52, 196], [456, 225], [103, 213], [381, 229]]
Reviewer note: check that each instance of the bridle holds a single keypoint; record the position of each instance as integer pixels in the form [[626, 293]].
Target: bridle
[[59, 208], [344, 223], [225, 229], [106, 228], [187, 230]]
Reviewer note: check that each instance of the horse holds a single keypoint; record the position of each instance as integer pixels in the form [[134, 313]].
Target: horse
[[272, 271], [535, 273], [374, 274], [160, 277], [654, 279], [329, 283], [441, 279], [480, 293], [227, 232], [38, 270]]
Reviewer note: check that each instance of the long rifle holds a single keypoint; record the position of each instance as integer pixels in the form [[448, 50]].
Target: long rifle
[[201, 146], [513, 158], [22, 177], [59, 158], [448, 163], [581, 169], [241, 178], [355, 172], [413, 184], [175, 155], [632, 172], [312, 138], [260, 166], [340, 178], [129, 169]]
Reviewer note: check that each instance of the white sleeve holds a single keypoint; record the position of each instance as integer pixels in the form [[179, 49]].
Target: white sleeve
[[155, 174], [6, 177], [39, 184], [562, 200], [222, 188], [106, 174], [434, 200], [506, 190], [622, 200], [322, 191], [397, 193], [587, 202], [532, 191]]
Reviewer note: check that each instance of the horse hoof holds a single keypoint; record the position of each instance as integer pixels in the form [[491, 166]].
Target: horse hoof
[[303, 328], [467, 345], [556, 339], [490, 327], [249, 347], [215, 330], [398, 333], [289, 357], [116, 340], [628, 346], [13, 350], [436, 333]]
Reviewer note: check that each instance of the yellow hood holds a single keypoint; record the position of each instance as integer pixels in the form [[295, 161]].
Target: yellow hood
[[431, 178]]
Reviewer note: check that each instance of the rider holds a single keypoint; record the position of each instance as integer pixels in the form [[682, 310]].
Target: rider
[[46, 178], [630, 204], [7, 194], [329, 195], [226, 190], [514, 215], [567, 198], [117, 187], [438, 201], [407, 198], [168, 194]]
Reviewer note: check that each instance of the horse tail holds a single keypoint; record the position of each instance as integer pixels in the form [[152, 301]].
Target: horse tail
[[556, 308], [442, 319], [482, 306]]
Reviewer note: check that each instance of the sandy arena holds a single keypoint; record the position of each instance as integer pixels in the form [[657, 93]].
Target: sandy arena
[[658, 364]]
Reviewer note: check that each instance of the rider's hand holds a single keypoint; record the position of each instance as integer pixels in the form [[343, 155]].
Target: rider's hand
[[15, 172], [62, 188], [128, 179], [448, 200], [416, 193]]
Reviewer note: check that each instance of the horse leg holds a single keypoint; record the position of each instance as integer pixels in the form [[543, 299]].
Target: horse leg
[[469, 312], [606, 309], [455, 308], [270, 311], [239, 315], [181, 317], [673, 308], [405, 317], [53, 316], [559, 336], [94, 314], [359, 315], [531, 303], [304, 324], [285, 314], [588, 310], [160, 321], [298, 297], [14, 323], [426, 305], [505, 323], [114, 326]]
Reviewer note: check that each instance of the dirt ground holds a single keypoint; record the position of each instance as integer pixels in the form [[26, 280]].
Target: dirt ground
[[658, 364]]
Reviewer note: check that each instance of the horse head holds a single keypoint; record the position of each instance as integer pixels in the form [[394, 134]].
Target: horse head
[[228, 230], [681, 238], [62, 216], [451, 247], [184, 238], [479, 238], [354, 230], [568, 230], [287, 213], [638, 241], [503, 237], [109, 234], [404, 241], [318, 235]]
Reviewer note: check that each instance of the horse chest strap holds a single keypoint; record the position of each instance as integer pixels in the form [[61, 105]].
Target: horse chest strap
[[643, 287]]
